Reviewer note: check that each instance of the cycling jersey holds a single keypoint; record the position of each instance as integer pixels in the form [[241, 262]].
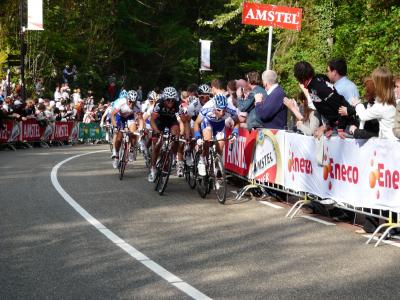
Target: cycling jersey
[[209, 118], [122, 108], [164, 116], [194, 107]]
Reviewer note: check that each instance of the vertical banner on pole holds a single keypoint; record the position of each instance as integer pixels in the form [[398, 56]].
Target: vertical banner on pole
[[35, 15], [205, 64]]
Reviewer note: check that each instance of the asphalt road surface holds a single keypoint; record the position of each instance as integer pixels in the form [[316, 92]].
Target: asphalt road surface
[[84, 234]]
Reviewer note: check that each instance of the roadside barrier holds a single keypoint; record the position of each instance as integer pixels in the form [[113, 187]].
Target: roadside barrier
[[357, 175], [55, 132]]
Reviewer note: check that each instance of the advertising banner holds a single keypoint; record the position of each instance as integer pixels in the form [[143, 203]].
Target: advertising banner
[[205, 55], [357, 172], [272, 15], [239, 153], [35, 15], [62, 130], [267, 163], [31, 130], [90, 131], [5, 133]]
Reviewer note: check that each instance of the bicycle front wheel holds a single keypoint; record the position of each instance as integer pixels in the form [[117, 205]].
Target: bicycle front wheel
[[123, 152], [220, 179], [190, 171], [165, 172]]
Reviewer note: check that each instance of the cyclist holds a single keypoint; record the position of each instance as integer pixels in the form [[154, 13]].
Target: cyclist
[[211, 123], [165, 116], [126, 111], [196, 103]]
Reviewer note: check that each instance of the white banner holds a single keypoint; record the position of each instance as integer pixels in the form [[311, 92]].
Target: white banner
[[357, 172], [35, 15], [205, 55]]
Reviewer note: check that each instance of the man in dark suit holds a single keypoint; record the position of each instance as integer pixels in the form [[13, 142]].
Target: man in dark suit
[[270, 108]]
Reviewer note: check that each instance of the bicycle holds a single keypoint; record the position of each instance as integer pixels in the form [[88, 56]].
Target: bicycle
[[124, 151], [164, 163], [215, 177], [190, 167]]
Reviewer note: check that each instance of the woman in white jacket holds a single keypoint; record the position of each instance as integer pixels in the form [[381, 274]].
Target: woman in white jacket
[[384, 109]]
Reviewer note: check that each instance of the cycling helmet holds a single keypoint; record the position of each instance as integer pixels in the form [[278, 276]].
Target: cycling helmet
[[132, 95], [170, 93], [123, 93], [220, 101], [204, 89], [152, 95]]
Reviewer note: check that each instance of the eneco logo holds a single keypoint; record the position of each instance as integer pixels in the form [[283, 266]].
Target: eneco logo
[[382, 177], [298, 164], [338, 171]]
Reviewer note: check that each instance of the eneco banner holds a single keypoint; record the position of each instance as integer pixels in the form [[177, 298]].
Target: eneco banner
[[272, 15], [35, 15], [357, 172]]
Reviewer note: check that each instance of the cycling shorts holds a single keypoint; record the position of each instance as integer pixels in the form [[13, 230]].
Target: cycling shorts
[[215, 126], [124, 122], [163, 123]]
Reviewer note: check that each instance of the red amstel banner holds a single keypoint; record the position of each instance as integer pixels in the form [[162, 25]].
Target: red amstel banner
[[272, 15], [31, 130], [239, 154], [62, 130], [5, 133]]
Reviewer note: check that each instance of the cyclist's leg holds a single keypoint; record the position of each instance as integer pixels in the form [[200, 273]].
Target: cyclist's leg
[[156, 146], [132, 128]]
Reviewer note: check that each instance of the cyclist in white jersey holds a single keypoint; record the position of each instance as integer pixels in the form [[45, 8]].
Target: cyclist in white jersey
[[125, 112], [211, 123]]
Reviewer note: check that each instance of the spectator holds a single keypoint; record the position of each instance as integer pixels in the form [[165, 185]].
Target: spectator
[[323, 96], [397, 88], [57, 94], [384, 109], [139, 94], [369, 128], [67, 73], [231, 89], [217, 87], [39, 89], [30, 109], [89, 115], [247, 104], [242, 84], [270, 108], [337, 71], [309, 120]]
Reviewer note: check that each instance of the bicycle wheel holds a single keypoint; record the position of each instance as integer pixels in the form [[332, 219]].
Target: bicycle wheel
[[220, 179], [158, 170], [165, 172], [190, 171], [122, 159]]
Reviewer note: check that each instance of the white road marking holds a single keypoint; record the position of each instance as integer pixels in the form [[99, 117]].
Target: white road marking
[[270, 204], [136, 254], [318, 220]]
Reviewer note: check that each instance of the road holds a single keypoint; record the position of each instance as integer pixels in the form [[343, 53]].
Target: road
[[194, 247]]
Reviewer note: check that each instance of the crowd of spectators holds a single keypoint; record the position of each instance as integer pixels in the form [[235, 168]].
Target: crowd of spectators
[[66, 105]]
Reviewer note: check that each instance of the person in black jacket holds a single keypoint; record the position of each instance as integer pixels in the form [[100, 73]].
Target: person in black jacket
[[324, 98]]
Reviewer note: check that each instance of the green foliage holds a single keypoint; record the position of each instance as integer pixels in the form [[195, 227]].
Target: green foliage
[[155, 43]]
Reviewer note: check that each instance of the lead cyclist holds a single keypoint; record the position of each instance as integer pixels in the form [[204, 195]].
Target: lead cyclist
[[210, 124], [126, 112]]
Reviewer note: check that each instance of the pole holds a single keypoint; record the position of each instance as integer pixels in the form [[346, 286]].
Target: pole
[[23, 49], [199, 66], [269, 48]]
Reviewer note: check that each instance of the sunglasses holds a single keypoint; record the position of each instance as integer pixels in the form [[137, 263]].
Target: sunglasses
[[169, 99], [204, 96], [220, 110]]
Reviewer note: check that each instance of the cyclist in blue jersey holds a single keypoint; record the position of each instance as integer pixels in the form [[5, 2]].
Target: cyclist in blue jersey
[[126, 112], [210, 124]]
